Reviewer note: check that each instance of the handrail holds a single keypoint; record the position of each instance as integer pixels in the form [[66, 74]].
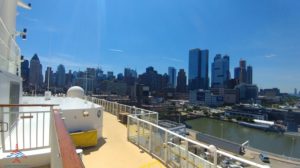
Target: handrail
[[28, 105], [68, 154], [135, 118]]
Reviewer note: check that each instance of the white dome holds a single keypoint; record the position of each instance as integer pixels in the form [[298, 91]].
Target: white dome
[[75, 91]]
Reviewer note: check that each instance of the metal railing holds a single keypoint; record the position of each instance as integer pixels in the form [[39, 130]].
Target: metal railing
[[24, 130], [172, 149], [9, 50]]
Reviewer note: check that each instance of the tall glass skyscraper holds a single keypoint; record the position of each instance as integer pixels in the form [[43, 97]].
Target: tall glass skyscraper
[[249, 74], [198, 69], [172, 77]]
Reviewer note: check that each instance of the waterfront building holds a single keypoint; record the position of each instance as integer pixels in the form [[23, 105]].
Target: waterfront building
[[172, 77], [35, 74], [220, 71], [246, 93], [205, 97], [247, 111], [270, 92], [229, 95], [181, 81]]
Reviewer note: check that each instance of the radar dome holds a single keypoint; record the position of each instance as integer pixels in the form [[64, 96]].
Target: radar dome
[[75, 91]]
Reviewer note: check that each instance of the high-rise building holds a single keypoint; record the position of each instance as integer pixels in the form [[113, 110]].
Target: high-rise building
[[60, 76], [243, 72], [198, 69], [295, 91], [35, 73], [130, 73], [120, 77], [152, 79], [172, 77], [69, 79], [181, 81], [110, 75], [249, 74], [237, 71], [130, 76], [49, 77], [220, 72], [25, 72]]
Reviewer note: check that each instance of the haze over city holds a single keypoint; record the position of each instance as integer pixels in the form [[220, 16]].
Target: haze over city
[[138, 34]]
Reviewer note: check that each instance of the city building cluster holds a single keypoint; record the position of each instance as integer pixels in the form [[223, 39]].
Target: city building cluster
[[151, 86], [223, 89], [95, 81]]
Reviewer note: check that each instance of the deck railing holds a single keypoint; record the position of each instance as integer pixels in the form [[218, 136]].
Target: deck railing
[[172, 149], [24, 130], [38, 129]]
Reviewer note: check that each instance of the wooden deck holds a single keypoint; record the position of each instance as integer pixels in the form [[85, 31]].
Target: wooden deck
[[114, 151]]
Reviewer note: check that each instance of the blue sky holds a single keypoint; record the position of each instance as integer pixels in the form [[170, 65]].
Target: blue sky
[[114, 34]]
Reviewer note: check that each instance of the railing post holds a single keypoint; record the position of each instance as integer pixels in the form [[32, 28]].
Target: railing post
[[166, 148], [128, 125], [138, 132], [187, 153], [150, 139], [212, 149]]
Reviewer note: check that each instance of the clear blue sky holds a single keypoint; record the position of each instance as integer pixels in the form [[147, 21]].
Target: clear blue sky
[[114, 34]]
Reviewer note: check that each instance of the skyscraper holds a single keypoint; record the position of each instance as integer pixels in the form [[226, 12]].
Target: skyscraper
[[198, 69], [35, 73], [243, 72], [172, 77], [220, 73], [110, 75], [25, 72], [60, 76], [181, 81], [237, 71], [249, 74], [295, 91], [49, 79]]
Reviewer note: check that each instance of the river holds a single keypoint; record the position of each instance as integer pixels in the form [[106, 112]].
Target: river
[[266, 141]]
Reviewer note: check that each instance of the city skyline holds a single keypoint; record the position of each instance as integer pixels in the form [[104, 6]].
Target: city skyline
[[128, 70], [111, 34]]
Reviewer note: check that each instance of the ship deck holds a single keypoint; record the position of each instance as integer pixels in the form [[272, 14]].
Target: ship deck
[[115, 151]]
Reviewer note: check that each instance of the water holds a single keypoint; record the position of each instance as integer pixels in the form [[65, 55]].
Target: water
[[266, 141]]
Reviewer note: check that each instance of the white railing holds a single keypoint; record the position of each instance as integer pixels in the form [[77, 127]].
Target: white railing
[[169, 147], [24, 130], [9, 51]]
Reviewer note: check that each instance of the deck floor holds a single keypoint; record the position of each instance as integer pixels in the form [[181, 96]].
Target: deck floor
[[114, 151]]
